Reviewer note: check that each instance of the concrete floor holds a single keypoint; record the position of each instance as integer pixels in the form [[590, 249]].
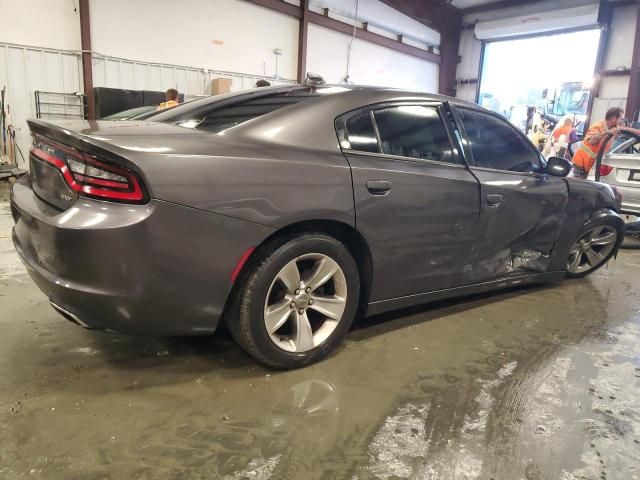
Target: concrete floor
[[537, 383]]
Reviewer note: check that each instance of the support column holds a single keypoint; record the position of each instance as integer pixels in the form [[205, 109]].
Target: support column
[[633, 97], [302, 40], [604, 20], [449, 45], [87, 67]]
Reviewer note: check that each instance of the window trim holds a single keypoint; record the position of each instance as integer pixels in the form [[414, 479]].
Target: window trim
[[404, 159], [467, 146], [341, 126]]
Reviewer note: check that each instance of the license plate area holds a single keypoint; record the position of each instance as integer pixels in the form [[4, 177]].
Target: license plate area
[[634, 176]]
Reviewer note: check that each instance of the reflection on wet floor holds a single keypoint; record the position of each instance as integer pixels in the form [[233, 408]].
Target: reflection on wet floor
[[537, 383]]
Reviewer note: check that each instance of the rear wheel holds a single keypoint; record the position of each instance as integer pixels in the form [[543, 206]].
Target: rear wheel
[[593, 248], [298, 302]]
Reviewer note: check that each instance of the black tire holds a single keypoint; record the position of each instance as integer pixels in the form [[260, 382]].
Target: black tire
[[246, 323], [614, 222]]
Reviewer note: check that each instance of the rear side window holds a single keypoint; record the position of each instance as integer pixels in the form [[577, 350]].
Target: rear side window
[[496, 144], [360, 133], [218, 115], [414, 131]]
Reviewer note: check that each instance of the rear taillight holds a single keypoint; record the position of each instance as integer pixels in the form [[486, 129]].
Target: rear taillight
[[89, 175], [605, 170]]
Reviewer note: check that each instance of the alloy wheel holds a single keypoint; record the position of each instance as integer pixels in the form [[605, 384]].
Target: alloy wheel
[[305, 303], [592, 249]]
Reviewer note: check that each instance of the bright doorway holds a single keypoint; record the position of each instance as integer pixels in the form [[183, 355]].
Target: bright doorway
[[550, 74]]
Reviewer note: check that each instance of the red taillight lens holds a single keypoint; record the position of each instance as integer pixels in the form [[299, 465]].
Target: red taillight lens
[[89, 175], [605, 170]]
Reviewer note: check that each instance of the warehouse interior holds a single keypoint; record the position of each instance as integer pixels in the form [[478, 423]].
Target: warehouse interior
[[531, 381]]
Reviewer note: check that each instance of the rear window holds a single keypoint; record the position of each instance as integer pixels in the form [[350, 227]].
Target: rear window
[[218, 115]]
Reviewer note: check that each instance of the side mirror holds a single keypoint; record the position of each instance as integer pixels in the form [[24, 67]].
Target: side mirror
[[559, 167]]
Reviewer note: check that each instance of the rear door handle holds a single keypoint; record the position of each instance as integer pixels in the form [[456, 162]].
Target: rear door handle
[[494, 199], [378, 187]]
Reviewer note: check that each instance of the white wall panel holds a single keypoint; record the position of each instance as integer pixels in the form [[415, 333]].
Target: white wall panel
[[231, 35], [370, 64], [614, 87], [382, 16], [621, 35], [23, 70], [42, 23], [470, 50], [133, 75], [467, 92]]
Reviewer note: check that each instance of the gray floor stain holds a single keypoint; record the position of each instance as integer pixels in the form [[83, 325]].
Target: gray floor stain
[[536, 383]]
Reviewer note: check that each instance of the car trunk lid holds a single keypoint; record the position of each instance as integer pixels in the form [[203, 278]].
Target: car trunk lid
[[624, 167], [68, 160]]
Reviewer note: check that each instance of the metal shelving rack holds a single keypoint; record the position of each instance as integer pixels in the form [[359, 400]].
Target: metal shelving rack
[[59, 105]]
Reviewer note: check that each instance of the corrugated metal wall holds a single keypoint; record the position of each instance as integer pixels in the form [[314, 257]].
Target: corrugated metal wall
[[25, 69], [129, 74]]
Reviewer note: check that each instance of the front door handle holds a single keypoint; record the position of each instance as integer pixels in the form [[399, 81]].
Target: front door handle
[[494, 199], [378, 187]]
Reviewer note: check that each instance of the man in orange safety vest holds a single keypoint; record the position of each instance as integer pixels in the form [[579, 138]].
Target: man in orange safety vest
[[586, 155]]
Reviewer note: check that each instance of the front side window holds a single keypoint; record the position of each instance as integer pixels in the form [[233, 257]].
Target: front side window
[[496, 144], [414, 131]]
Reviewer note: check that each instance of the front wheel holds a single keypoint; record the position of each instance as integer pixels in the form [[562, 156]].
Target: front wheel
[[298, 302], [595, 246]]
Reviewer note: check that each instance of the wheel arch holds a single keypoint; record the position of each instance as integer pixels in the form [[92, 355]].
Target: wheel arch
[[605, 213], [351, 238]]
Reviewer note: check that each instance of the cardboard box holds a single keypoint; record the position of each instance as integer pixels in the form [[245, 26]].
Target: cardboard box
[[220, 85]]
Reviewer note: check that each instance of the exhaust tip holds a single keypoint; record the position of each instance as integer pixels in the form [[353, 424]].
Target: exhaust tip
[[68, 315]]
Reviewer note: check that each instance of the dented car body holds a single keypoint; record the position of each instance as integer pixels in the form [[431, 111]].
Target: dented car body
[[439, 196]]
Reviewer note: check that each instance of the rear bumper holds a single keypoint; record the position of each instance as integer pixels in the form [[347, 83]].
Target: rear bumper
[[160, 268]]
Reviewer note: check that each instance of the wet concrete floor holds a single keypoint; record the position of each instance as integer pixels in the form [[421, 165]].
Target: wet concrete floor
[[535, 383]]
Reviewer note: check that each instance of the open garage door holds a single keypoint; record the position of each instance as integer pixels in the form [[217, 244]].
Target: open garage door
[[539, 23], [539, 81]]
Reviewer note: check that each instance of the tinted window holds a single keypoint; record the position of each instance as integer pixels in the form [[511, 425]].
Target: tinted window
[[496, 144], [215, 114], [360, 133], [414, 131]]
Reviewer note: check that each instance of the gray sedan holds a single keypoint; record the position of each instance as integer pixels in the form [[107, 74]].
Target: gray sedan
[[287, 211]]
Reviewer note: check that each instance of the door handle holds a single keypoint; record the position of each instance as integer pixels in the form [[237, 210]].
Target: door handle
[[494, 199], [378, 187]]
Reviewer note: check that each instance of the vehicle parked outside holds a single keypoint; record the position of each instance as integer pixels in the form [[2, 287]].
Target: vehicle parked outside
[[620, 167], [287, 211]]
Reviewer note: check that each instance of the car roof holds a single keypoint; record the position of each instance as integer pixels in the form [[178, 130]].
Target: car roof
[[363, 92], [310, 124]]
